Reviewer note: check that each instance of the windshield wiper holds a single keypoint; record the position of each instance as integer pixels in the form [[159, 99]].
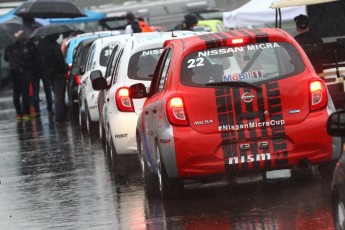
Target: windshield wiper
[[235, 83]]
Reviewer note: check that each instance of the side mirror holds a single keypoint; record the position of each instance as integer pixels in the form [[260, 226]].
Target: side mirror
[[336, 124], [98, 81], [137, 91]]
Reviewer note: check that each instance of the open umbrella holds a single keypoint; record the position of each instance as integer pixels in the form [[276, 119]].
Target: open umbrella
[[52, 29], [49, 9], [36, 23], [9, 33]]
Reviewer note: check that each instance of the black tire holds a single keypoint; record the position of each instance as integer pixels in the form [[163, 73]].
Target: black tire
[[338, 210], [150, 179], [81, 118], [113, 153], [169, 187], [110, 148], [90, 125], [102, 134], [73, 111], [107, 143]]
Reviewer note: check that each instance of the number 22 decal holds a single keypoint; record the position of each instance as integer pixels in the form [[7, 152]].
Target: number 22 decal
[[192, 63]]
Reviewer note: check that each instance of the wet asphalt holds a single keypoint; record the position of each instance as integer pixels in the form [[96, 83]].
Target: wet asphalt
[[55, 176]]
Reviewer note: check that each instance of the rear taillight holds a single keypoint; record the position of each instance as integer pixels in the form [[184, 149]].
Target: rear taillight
[[176, 111], [318, 95], [123, 101], [77, 79]]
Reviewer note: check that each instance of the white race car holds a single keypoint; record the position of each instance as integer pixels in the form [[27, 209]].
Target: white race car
[[132, 62], [97, 59]]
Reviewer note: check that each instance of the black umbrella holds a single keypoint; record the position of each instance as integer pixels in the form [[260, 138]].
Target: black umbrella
[[49, 9], [10, 32], [52, 29], [37, 22]]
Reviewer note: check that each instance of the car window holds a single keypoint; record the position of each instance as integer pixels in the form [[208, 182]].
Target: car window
[[105, 54], [142, 64], [251, 63], [81, 54], [111, 63], [163, 73], [116, 67], [91, 55]]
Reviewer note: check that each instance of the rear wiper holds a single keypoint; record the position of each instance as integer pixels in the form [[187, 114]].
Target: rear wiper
[[235, 83]]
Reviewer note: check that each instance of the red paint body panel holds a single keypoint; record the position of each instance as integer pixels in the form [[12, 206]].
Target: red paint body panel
[[232, 128]]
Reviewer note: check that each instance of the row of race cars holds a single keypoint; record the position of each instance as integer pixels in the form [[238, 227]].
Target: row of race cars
[[198, 104]]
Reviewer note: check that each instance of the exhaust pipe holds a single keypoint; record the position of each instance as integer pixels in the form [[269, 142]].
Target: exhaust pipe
[[303, 165]]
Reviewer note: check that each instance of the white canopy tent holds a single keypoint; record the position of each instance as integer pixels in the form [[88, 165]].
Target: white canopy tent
[[258, 12], [289, 3]]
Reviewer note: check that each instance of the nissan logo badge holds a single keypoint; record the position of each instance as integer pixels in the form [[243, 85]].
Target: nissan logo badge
[[247, 97]]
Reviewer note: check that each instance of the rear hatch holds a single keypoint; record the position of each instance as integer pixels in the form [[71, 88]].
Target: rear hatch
[[140, 70], [250, 91]]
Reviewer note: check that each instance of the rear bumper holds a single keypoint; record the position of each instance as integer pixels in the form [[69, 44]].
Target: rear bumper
[[123, 130], [207, 154]]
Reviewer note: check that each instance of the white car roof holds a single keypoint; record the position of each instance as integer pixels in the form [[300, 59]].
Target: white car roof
[[150, 38]]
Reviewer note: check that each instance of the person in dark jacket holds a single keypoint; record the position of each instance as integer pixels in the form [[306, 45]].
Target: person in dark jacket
[[309, 42], [56, 70], [39, 73], [190, 20], [20, 59], [304, 36], [132, 24]]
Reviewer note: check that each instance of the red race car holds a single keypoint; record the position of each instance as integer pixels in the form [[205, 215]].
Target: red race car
[[233, 103]]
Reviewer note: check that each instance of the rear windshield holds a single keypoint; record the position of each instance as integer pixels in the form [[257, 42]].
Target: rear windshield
[[250, 63], [105, 55], [142, 64]]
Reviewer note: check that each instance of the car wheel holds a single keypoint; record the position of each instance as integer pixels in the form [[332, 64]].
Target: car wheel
[[169, 187], [81, 118], [73, 111], [338, 210], [102, 134], [110, 147], [107, 141], [150, 178], [113, 153], [90, 125]]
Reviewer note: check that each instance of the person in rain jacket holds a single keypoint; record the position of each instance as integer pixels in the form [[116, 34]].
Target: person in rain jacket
[[190, 20], [40, 73], [56, 70], [132, 24], [20, 59]]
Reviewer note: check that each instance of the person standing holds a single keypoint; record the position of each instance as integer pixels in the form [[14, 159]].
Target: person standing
[[132, 24], [309, 42], [304, 36], [190, 20], [56, 71], [40, 73], [20, 59]]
